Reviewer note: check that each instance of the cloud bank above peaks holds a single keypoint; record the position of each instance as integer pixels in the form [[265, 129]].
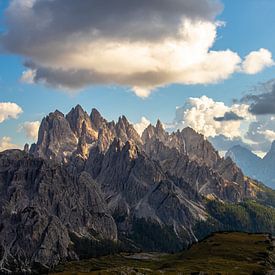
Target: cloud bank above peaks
[[229, 125], [212, 118], [71, 44]]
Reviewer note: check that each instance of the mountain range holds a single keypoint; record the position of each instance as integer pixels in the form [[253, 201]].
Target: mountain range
[[91, 187], [261, 169]]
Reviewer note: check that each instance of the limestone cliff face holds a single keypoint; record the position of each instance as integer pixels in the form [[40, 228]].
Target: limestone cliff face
[[56, 140], [81, 124], [41, 205], [88, 180], [188, 155], [187, 142], [61, 137], [137, 187]]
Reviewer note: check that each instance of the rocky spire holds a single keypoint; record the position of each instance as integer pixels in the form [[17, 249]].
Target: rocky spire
[[155, 132], [76, 117], [26, 148], [159, 126], [126, 131], [56, 140], [97, 120]]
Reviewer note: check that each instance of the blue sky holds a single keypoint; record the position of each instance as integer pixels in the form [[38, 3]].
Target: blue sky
[[249, 27]]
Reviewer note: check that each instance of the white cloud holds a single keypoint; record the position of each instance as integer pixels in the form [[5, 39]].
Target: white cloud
[[261, 132], [31, 129], [142, 125], [142, 92], [9, 110], [269, 134], [255, 132], [169, 43], [256, 61], [5, 144], [199, 114]]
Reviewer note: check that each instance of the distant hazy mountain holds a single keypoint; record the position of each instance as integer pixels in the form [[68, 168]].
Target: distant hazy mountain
[[90, 187], [253, 166]]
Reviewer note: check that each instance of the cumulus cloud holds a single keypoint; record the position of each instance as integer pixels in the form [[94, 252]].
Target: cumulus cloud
[[155, 43], [142, 125], [228, 116], [226, 126], [9, 110], [200, 114], [6, 143], [31, 129], [256, 61]]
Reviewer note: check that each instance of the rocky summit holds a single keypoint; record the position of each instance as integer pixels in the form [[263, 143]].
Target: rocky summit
[[91, 187]]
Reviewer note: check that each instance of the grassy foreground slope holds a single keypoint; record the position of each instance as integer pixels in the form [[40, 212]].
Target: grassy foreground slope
[[222, 253]]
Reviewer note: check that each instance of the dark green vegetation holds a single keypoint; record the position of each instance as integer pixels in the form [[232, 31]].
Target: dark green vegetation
[[223, 253], [152, 237], [248, 216]]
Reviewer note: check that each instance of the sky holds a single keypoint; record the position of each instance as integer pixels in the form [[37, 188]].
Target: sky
[[207, 64]]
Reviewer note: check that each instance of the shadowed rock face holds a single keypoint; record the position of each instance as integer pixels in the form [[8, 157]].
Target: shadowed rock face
[[41, 204], [93, 180], [56, 140], [136, 187], [189, 156]]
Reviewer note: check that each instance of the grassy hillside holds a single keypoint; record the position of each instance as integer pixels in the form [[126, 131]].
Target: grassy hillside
[[223, 253]]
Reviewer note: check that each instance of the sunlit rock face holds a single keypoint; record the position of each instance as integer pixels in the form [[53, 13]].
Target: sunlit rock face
[[61, 136]]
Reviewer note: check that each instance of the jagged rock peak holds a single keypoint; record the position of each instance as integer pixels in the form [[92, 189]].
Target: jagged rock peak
[[122, 120], [196, 143], [126, 131], [190, 131], [56, 139], [56, 113], [97, 120], [26, 148], [155, 132], [159, 126], [148, 133], [76, 111], [76, 117]]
